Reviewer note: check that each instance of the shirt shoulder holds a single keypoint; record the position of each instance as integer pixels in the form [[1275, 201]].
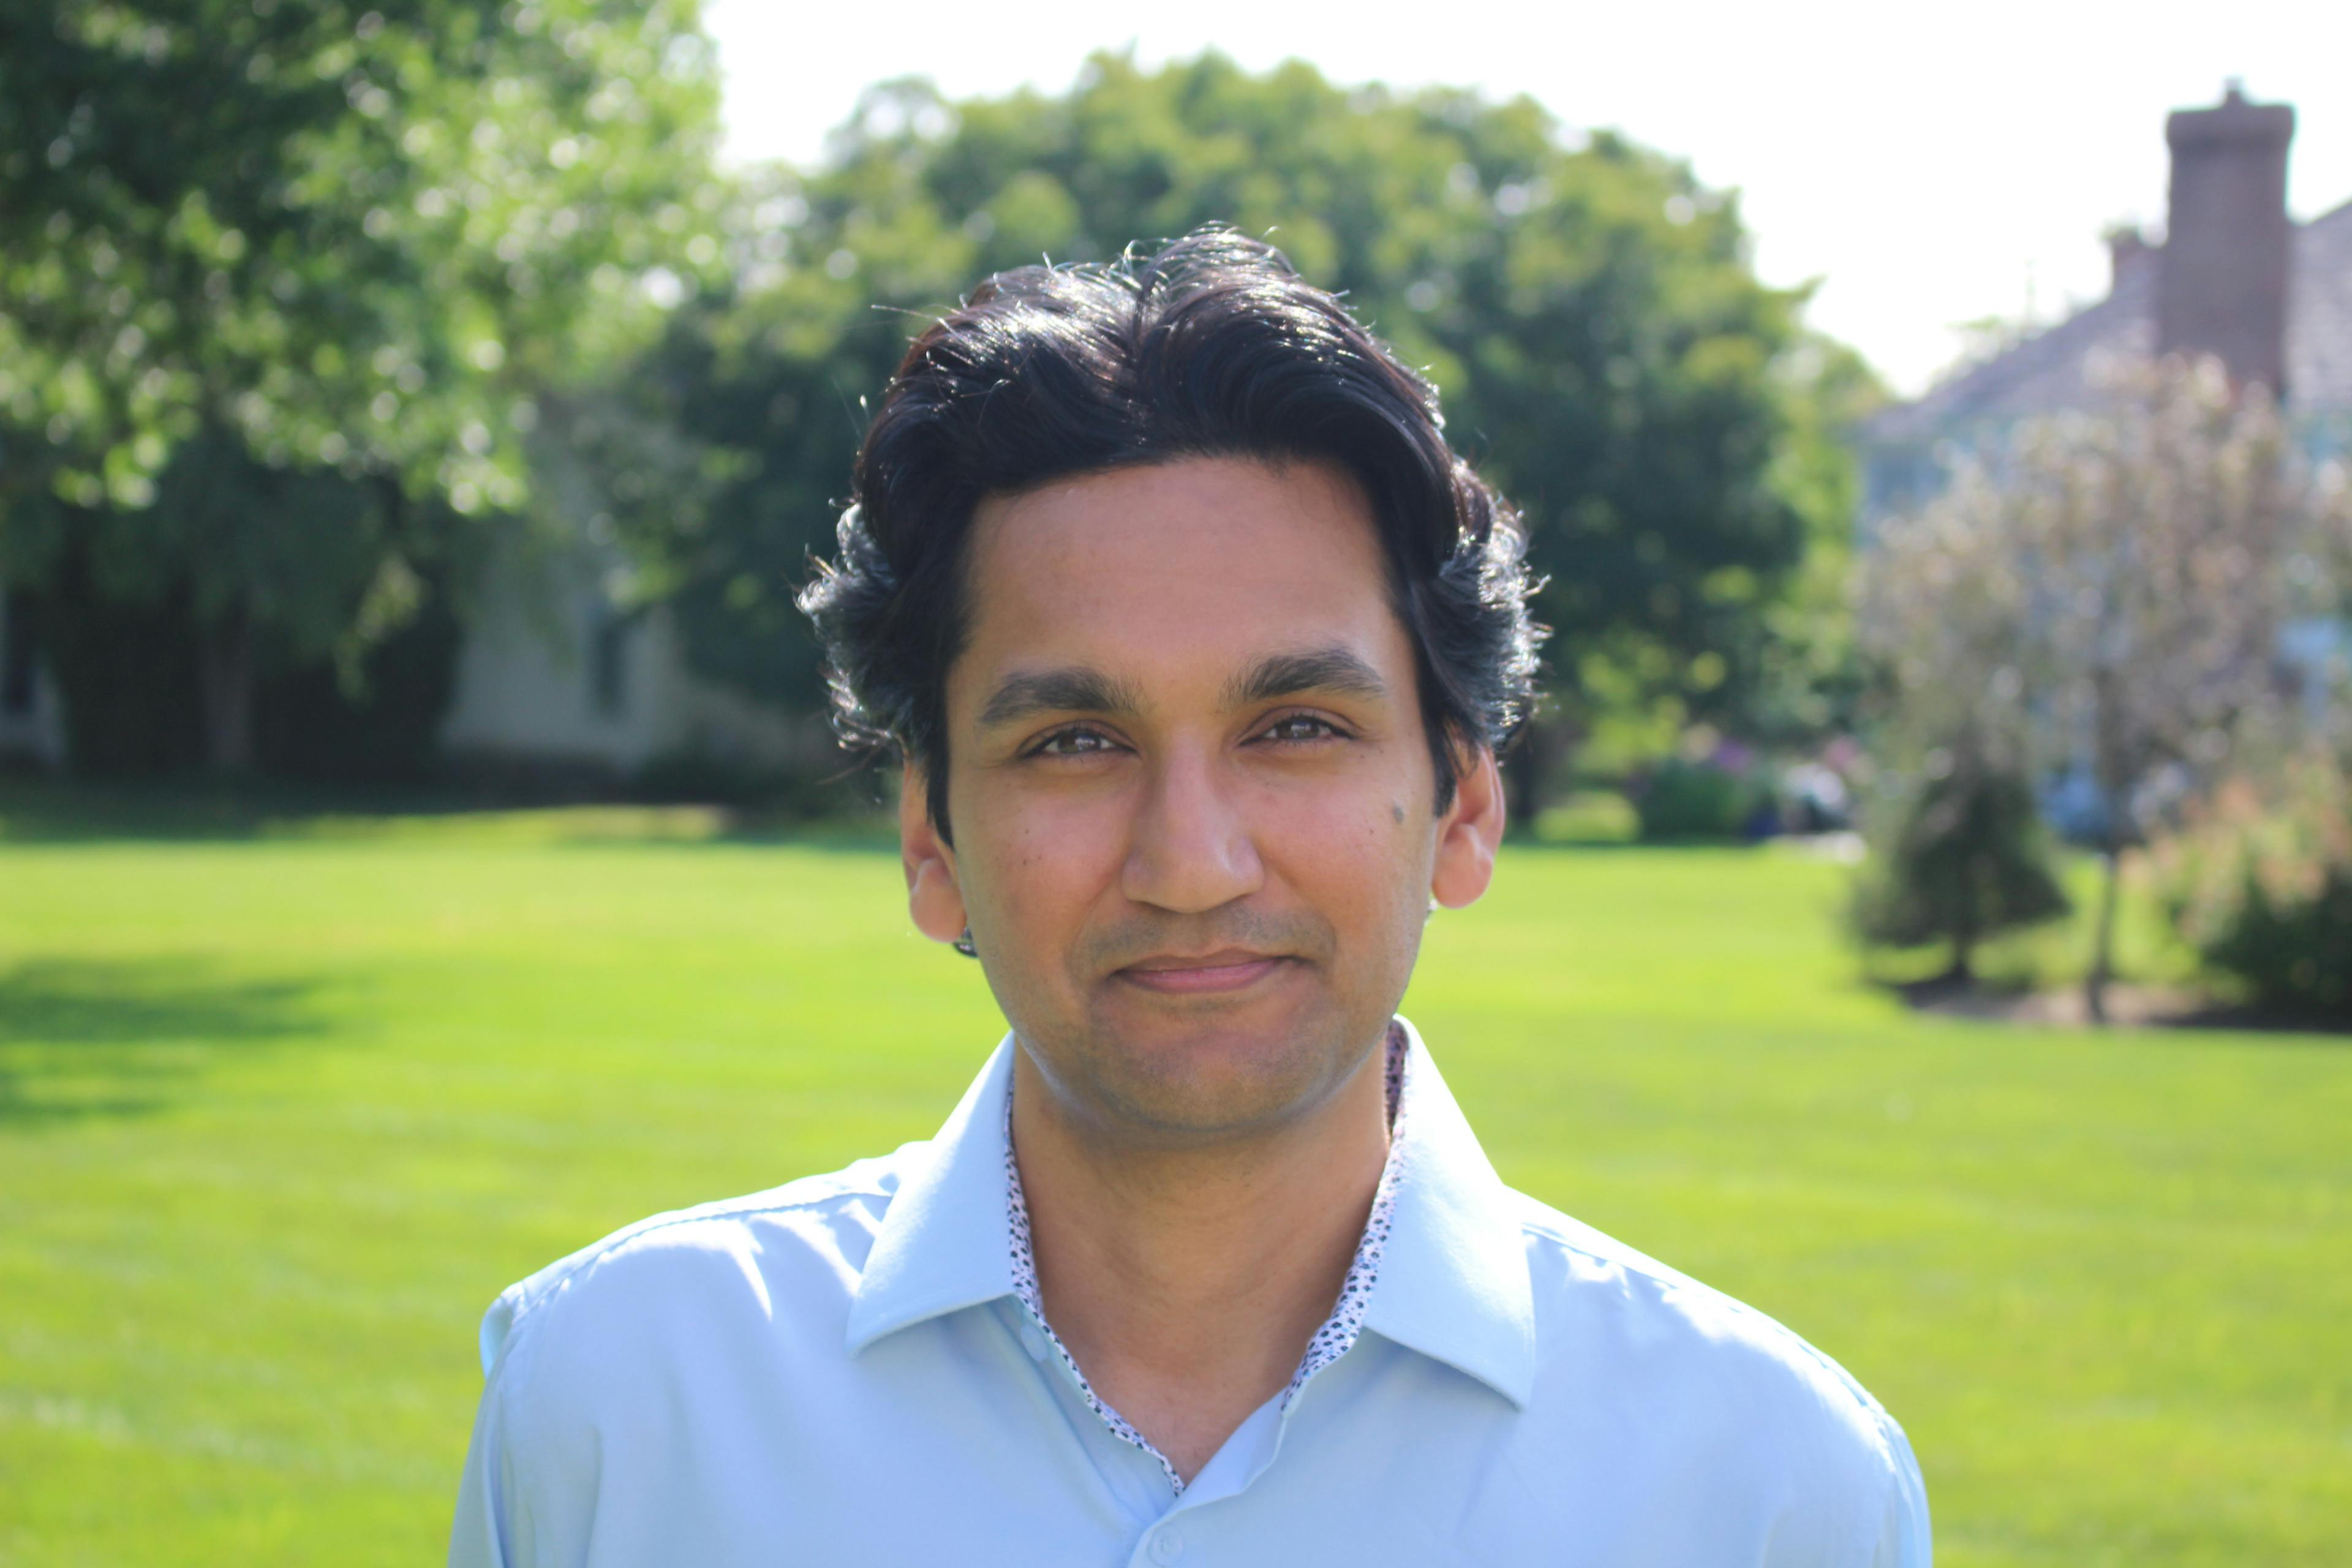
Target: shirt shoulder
[[1590, 1270], [670, 1258], [1726, 1386]]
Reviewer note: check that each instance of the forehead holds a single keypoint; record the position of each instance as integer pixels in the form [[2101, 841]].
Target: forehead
[[1160, 570]]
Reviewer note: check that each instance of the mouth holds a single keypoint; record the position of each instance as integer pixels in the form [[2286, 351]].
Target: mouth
[[1232, 969]]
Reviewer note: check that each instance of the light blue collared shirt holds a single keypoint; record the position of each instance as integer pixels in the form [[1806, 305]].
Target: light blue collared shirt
[[839, 1371]]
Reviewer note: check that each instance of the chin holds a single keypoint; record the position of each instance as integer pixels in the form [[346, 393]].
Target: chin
[[1199, 1071]]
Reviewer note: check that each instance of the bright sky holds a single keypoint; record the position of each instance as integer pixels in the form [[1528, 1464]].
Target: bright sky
[[1930, 163]]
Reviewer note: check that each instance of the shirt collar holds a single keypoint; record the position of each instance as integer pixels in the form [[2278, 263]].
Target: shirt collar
[[1453, 1283], [945, 1242]]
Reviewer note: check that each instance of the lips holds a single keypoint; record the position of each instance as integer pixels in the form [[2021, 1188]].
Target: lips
[[1231, 969]]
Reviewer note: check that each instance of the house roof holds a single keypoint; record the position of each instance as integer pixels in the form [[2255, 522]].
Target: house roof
[[2319, 313], [2048, 372]]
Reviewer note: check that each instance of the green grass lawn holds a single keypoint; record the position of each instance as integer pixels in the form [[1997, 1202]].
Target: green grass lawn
[[279, 1112]]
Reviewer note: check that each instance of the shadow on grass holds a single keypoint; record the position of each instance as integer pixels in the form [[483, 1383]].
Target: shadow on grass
[[38, 810], [84, 1038], [198, 810], [2129, 1007]]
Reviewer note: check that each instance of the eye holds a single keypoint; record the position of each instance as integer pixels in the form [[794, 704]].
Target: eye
[[1294, 728], [1074, 743]]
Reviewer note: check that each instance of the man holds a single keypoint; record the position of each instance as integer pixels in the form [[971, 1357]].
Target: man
[[1197, 643]]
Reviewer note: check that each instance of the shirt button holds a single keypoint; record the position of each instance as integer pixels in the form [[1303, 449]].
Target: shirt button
[[1032, 1341], [1167, 1546]]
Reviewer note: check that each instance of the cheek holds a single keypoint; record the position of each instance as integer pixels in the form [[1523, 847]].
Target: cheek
[[1356, 861], [1044, 862]]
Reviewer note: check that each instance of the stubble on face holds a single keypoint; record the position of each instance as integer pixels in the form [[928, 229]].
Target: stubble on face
[[1198, 927], [1196, 1068]]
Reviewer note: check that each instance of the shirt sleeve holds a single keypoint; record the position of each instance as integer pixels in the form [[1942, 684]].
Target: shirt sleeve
[[482, 1537], [488, 1531], [1904, 1540]]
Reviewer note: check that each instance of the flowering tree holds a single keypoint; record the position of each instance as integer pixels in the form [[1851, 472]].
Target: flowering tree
[[2101, 596]]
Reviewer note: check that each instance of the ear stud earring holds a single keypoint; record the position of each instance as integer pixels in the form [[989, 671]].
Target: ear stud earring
[[962, 944]]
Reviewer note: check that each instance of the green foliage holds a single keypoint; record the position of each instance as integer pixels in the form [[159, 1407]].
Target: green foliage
[[1683, 799], [314, 554], [127, 672], [1960, 858], [695, 775], [348, 233], [1588, 311], [327, 596], [1587, 817], [351, 680], [2262, 891], [281, 285], [1809, 680], [375, 718]]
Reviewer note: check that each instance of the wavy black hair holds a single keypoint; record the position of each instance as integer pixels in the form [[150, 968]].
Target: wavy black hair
[[1212, 345]]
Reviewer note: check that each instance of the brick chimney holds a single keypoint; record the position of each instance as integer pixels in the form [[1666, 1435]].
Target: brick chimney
[[2228, 242]]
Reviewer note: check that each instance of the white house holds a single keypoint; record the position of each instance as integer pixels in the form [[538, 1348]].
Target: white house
[[552, 674]]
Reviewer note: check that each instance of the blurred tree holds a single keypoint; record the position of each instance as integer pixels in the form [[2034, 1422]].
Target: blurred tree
[[1686, 798], [281, 282], [242, 583], [1588, 310], [2260, 885], [1960, 857], [1808, 679], [2101, 596]]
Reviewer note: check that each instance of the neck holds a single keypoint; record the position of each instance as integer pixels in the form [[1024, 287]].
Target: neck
[[1187, 1283]]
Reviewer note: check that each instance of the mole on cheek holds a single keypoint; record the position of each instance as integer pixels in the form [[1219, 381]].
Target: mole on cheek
[[1396, 809]]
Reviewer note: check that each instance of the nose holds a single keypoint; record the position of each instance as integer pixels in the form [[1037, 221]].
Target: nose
[[1191, 849]]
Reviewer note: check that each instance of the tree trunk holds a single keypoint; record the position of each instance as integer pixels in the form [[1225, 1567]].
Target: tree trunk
[[1962, 970], [2103, 940], [226, 675]]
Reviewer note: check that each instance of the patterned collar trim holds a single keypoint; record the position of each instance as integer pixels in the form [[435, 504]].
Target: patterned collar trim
[[1333, 1340]]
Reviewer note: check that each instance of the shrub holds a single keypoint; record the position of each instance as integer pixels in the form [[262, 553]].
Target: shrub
[[830, 788], [1587, 817], [2263, 889], [1961, 858], [1699, 800]]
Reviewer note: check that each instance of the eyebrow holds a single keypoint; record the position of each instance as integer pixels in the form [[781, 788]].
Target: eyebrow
[[1081, 688], [1075, 688], [1334, 668]]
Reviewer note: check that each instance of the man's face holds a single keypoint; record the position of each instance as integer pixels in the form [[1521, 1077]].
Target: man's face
[[1191, 795]]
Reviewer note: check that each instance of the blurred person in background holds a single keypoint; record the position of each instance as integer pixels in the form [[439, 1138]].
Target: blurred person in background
[[1198, 643]]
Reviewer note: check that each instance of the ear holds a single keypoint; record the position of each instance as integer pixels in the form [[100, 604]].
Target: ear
[[934, 899], [1469, 833]]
